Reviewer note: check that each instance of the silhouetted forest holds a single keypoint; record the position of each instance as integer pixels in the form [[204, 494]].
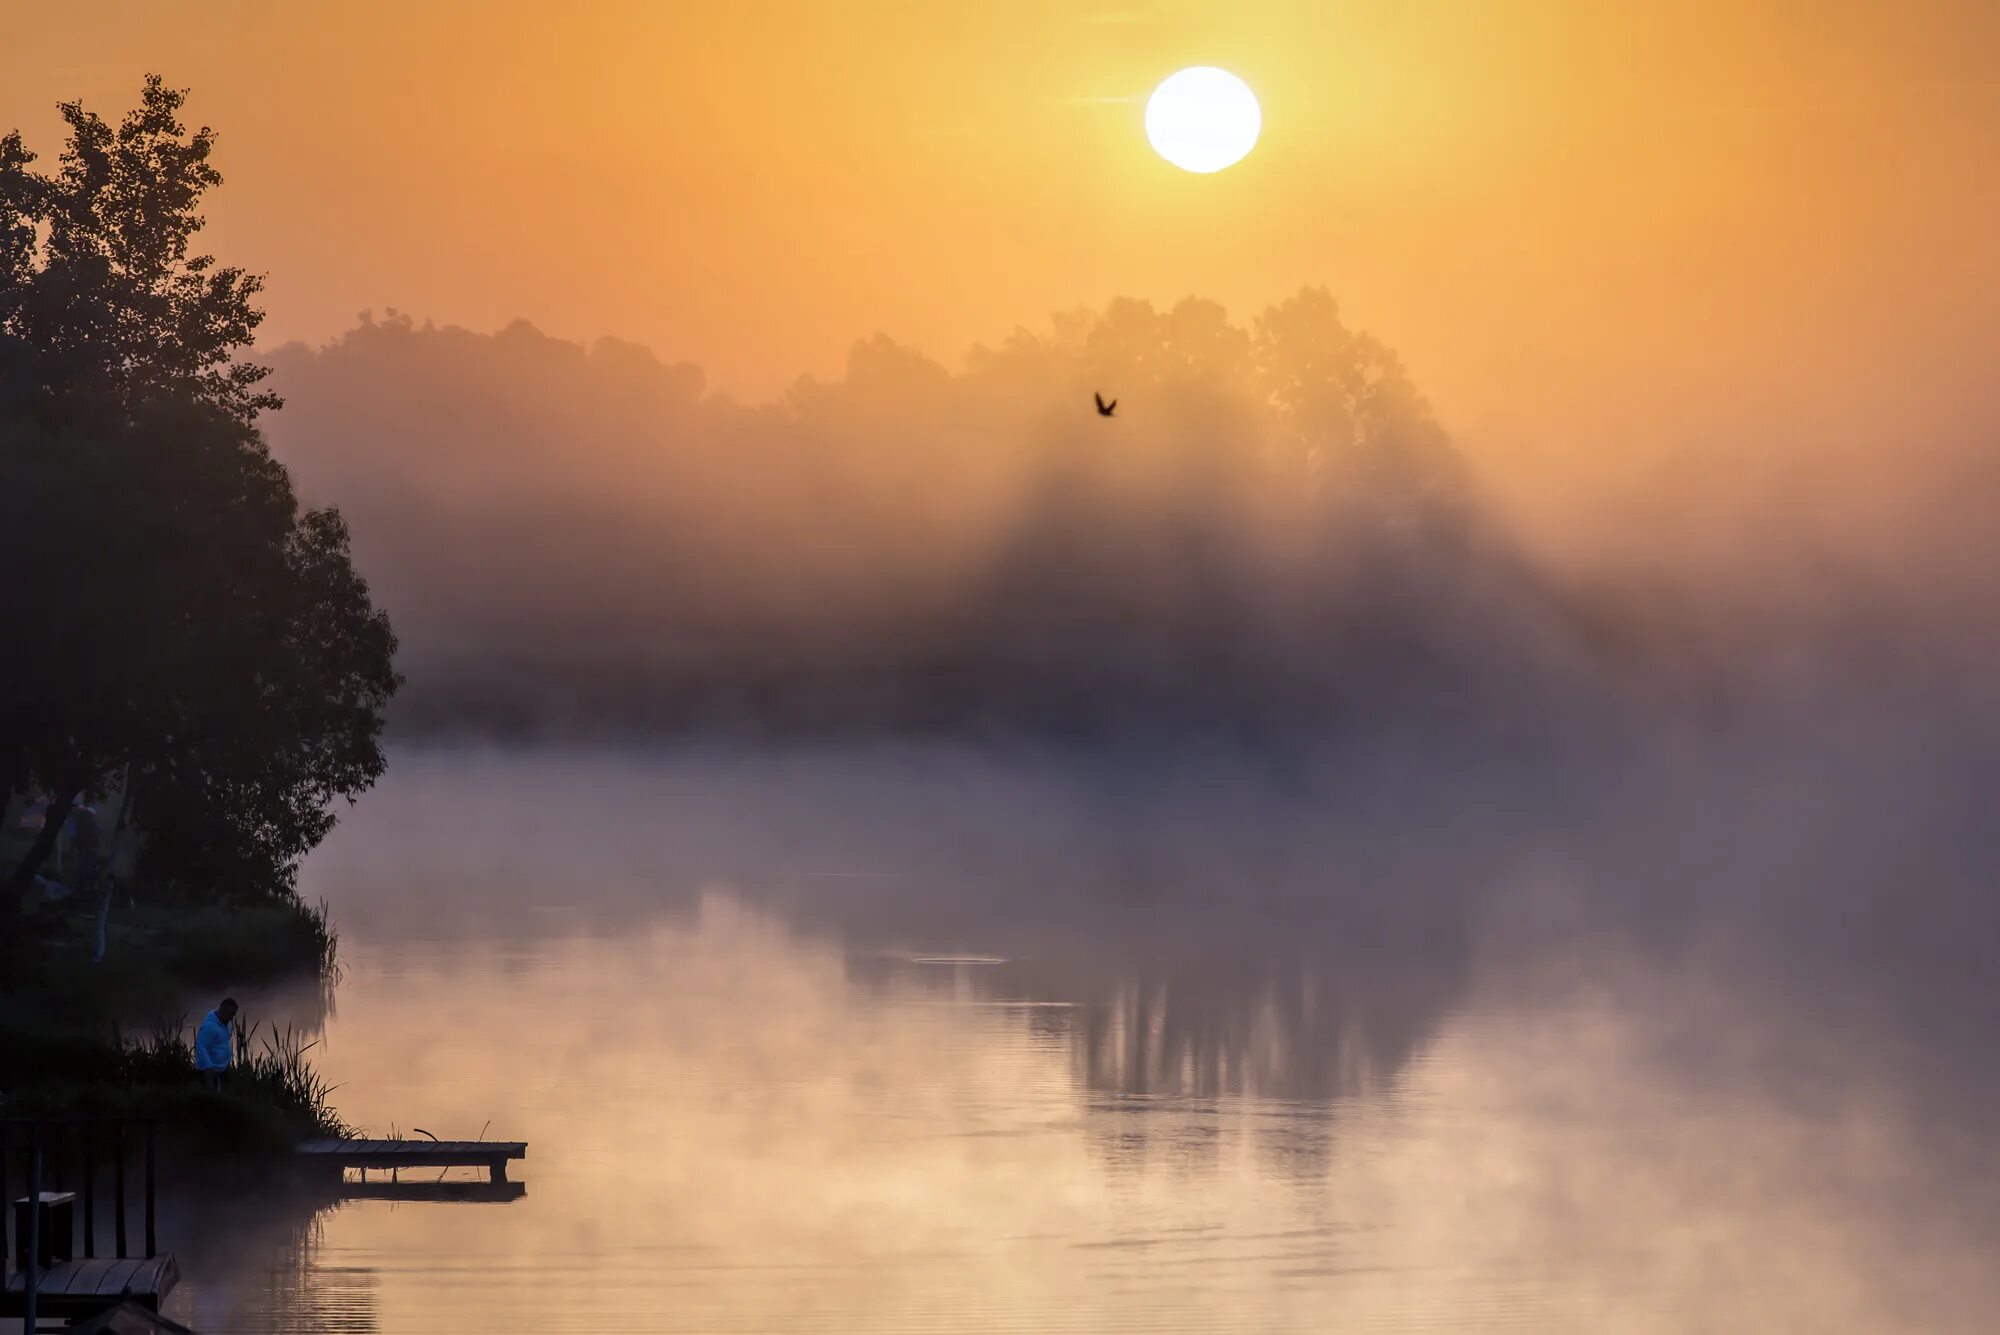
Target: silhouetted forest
[[1273, 535], [1274, 529]]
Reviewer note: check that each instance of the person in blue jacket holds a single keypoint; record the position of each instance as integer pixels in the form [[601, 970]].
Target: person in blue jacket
[[212, 1044]]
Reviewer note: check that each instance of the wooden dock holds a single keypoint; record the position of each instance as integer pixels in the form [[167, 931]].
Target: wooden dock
[[42, 1231], [492, 1155], [82, 1288]]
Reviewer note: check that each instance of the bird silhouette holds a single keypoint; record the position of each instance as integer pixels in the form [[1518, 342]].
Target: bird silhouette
[[1105, 409]]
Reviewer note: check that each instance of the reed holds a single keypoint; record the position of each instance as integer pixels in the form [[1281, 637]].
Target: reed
[[272, 1084], [280, 1071], [325, 937]]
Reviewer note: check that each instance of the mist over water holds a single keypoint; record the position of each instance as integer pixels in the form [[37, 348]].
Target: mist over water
[[920, 856], [911, 854], [914, 1037]]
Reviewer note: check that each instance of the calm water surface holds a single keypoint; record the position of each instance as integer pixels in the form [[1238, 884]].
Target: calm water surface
[[856, 1047]]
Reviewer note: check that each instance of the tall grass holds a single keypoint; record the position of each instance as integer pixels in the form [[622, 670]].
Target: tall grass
[[280, 1069], [271, 1073], [326, 939]]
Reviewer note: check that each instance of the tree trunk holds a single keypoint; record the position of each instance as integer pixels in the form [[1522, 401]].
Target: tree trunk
[[38, 852], [109, 871]]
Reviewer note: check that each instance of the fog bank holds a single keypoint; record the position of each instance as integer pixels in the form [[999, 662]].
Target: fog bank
[[1274, 532]]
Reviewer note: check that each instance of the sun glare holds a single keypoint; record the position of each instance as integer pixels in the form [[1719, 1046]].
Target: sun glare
[[1203, 119]]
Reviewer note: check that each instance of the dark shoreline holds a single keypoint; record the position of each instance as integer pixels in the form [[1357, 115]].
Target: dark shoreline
[[81, 1038]]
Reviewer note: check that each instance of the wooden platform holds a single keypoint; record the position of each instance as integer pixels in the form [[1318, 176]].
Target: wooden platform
[[82, 1288], [492, 1155]]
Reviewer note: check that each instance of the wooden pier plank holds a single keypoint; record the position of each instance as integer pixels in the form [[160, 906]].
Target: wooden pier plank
[[112, 1279], [490, 1154], [90, 1282], [55, 1281], [82, 1287], [512, 1148]]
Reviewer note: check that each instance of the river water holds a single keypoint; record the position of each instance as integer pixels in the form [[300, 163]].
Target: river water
[[875, 1043]]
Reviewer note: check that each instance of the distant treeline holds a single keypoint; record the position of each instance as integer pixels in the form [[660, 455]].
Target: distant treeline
[[1272, 527], [1272, 532]]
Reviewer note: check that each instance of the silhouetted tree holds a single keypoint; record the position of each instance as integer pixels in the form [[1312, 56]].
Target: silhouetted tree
[[167, 604]]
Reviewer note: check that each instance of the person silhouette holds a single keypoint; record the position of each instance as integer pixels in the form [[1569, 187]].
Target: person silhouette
[[213, 1045]]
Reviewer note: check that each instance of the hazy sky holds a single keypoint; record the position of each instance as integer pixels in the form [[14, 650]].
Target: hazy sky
[[1598, 233]]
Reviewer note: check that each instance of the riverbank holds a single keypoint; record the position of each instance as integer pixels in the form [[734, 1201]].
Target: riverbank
[[82, 1035]]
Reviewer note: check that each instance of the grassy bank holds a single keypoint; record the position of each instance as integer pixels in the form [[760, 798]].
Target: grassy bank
[[272, 1098], [83, 1036]]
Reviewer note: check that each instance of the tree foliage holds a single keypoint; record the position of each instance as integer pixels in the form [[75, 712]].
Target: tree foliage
[[1275, 524], [169, 604]]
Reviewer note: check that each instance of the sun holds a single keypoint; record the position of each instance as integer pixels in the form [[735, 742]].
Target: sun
[[1203, 119]]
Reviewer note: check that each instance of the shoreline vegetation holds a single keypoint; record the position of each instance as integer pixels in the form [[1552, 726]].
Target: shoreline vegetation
[[93, 1013], [82, 1037]]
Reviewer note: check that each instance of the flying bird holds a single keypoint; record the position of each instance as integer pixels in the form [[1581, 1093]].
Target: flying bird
[[1105, 409]]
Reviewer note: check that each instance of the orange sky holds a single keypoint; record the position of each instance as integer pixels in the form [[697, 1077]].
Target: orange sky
[[1597, 232]]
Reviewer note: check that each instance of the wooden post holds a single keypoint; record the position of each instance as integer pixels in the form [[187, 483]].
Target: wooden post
[[118, 1188], [31, 1273], [152, 1145], [89, 1194]]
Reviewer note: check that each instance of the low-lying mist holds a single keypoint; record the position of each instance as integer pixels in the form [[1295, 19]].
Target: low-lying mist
[[1807, 906], [1353, 712]]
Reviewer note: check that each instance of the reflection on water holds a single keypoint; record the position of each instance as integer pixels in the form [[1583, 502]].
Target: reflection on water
[[755, 1110]]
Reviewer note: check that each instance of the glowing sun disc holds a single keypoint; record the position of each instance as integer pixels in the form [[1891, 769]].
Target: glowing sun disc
[[1203, 119]]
